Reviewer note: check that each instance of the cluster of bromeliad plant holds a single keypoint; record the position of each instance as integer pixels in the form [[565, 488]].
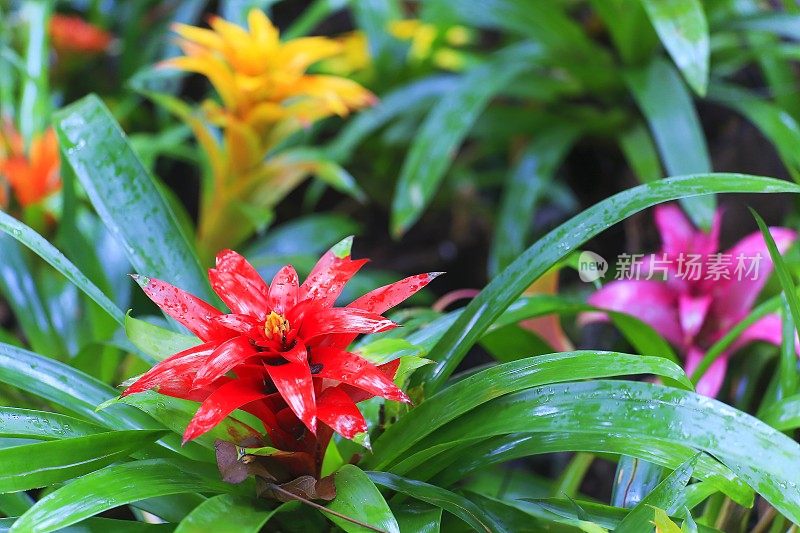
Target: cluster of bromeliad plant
[[259, 401]]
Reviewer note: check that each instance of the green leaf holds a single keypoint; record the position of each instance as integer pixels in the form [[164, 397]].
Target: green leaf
[[667, 106], [126, 196], [111, 487], [462, 458], [446, 126], [373, 18], [42, 464], [637, 145], [176, 413], [41, 247], [633, 480], [758, 454], [774, 122], [20, 292], [447, 500], [15, 503], [357, 498], [311, 17], [157, 342], [231, 514], [642, 336], [69, 388], [15, 422], [102, 525], [662, 521], [324, 169], [312, 234], [392, 105], [484, 309], [570, 479], [778, 23], [34, 106], [418, 517], [467, 394], [683, 29], [533, 173], [669, 495], [784, 414], [788, 368], [547, 23]]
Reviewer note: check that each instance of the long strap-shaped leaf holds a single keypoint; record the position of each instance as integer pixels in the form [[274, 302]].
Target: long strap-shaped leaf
[[667, 105], [358, 498], [764, 458], [683, 29], [556, 245], [41, 247], [669, 495], [16, 422], [227, 512], [461, 458], [112, 487], [126, 196], [445, 128], [497, 381], [447, 500], [67, 387], [42, 464]]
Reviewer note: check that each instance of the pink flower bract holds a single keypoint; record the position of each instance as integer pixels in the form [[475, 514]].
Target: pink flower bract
[[692, 314]]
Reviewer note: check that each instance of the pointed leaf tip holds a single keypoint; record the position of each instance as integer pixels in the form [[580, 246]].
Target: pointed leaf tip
[[362, 439], [342, 248], [143, 281]]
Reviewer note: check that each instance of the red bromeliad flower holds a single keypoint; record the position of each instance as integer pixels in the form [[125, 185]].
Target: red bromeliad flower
[[281, 353]]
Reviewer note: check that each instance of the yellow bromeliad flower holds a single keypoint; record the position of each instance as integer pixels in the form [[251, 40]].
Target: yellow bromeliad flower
[[265, 95], [262, 81], [427, 42]]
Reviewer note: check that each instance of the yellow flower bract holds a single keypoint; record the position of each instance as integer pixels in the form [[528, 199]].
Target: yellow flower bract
[[262, 81]]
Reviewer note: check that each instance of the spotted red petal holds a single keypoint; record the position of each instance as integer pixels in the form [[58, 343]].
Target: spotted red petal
[[189, 310], [226, 356], [343, 320], [297, 354], [261, 410], [384, 298], [178, 369], [359, 395], [284, 290], [220, 404], [294, 383], [230, 261], [239, 293], [336, 410], [328, 277], [345, 367], [241, 323]]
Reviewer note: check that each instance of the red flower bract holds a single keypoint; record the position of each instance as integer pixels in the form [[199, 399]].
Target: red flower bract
[[281, 353]]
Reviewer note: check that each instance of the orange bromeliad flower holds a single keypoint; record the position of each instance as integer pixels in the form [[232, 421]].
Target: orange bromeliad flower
[[32, 176], [70, 33]]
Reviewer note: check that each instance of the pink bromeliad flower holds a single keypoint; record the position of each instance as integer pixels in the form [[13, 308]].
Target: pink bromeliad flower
[[699, 293]]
